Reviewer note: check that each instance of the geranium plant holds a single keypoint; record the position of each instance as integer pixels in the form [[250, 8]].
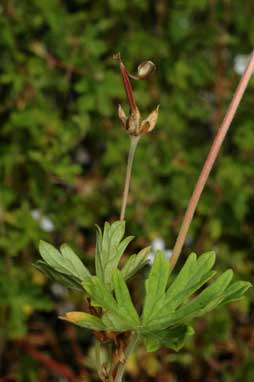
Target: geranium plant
[[169, 306]]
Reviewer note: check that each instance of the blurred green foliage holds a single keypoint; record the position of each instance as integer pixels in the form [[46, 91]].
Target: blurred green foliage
[[63, 150]]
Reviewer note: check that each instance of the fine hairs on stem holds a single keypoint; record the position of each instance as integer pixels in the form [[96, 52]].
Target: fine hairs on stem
[[208, 165]]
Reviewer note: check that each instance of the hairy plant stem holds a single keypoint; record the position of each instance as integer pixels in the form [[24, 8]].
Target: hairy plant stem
[[133, 145], [130, 348], [208, 165]]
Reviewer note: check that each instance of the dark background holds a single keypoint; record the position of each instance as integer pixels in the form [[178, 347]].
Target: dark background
[[63, 155]]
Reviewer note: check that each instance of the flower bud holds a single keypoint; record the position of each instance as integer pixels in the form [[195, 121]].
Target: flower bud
[[145, 69]]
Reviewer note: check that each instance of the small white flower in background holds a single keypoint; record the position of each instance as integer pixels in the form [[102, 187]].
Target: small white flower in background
[[240, 63], [82, 156], [45, 223], [158, 244]]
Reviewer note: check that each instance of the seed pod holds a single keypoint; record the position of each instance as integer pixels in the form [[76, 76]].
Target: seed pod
[[149, 123], [145, 69]]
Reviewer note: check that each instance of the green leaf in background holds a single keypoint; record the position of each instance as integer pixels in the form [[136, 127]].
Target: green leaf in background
[[19, 298], [135, 263]]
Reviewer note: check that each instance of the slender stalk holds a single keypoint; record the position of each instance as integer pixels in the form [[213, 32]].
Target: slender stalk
[[212, 155], [132, 149], [130, 348]]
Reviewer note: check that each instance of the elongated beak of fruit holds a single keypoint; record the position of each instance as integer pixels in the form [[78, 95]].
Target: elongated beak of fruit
[[133, 123]]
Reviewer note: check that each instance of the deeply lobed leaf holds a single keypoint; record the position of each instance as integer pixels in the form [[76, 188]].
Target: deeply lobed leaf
[[135, 263], [65, 262], [109, 249], [119, 313], [77, 266], [155, 288], [167, 306], [123, 298], [192, 276], [67, 280], [172, 338], [173, 307]]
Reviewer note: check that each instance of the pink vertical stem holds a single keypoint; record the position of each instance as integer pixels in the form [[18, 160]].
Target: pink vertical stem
[[212, 155]]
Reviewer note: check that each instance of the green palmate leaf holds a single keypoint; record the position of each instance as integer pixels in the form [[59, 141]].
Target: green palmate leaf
[[235, 291], [119, 314], [194, 274], [123, 298], [155, 287], [135, 263], [109, 249], [172, 338], [183, 276], [78, 267], [66, 262], [67, 280], [116, 322], [190, 277], [207, 300], [172, 306], [53, 258], [113, 261], [99, 293], [85, 320]]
